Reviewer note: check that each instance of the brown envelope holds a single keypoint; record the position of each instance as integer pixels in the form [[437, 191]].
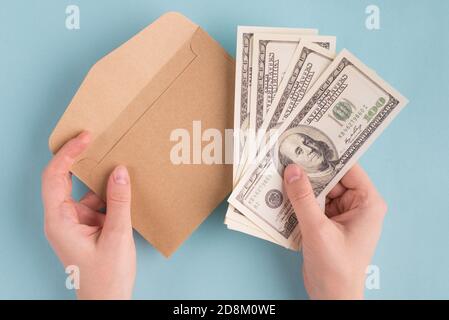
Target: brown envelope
[[165, 77]]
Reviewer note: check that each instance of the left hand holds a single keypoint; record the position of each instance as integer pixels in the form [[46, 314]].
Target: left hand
[[101, 246]]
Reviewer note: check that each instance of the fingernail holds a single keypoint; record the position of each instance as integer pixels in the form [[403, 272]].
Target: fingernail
[[292, 173], [121, 175]]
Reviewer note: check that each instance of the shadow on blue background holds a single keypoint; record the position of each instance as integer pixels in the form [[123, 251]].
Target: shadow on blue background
[[42, 64]]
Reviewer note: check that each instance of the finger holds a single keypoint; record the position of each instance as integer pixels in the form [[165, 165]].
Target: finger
[[89, 216], [302, 198], [118, 212], [91, 200], [56, 180], [88, 231], [65, 157], [336, 191], [332, 208], [356, 178]]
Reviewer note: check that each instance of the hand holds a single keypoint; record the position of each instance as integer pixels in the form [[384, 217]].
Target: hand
[[337, 245], [101, 246]]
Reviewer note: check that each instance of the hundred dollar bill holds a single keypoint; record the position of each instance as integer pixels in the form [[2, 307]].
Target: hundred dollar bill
[[251, 230], [272, 54], [245, 36], [255, 233], [341, 115], [283, 45], [236, 221], [307, 64]]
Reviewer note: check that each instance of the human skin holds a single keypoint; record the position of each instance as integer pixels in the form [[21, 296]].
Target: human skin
[[100, 245], [337, 244]]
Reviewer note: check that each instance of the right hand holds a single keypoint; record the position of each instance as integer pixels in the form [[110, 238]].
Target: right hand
[[337, 245]]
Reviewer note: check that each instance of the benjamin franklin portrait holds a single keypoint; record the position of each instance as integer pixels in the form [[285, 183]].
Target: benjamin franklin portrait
[[312, 150]]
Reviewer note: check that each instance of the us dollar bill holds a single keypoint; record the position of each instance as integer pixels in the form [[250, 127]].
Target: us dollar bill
[[244, 56], [308, 62], [244, 48], [248, 227], [286, 43], [272, 54], [338, 119], [251, 230]]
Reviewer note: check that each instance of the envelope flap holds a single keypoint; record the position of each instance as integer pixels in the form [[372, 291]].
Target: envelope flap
[[115, 80]]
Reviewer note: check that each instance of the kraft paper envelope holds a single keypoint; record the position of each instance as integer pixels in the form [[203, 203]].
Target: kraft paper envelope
[[165, 77]]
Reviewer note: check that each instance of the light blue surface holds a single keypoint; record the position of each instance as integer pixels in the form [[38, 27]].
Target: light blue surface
[[42, 64]]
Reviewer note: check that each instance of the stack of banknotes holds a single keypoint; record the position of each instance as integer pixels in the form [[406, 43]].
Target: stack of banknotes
[[297, 101]]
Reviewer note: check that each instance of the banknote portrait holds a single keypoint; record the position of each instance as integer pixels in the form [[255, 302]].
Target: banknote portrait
[[311, 149]]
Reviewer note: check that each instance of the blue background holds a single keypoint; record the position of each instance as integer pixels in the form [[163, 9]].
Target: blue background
[[42, 64]]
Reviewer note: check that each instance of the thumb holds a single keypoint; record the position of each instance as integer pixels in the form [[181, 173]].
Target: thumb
[[302, 198], [118, 203]]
